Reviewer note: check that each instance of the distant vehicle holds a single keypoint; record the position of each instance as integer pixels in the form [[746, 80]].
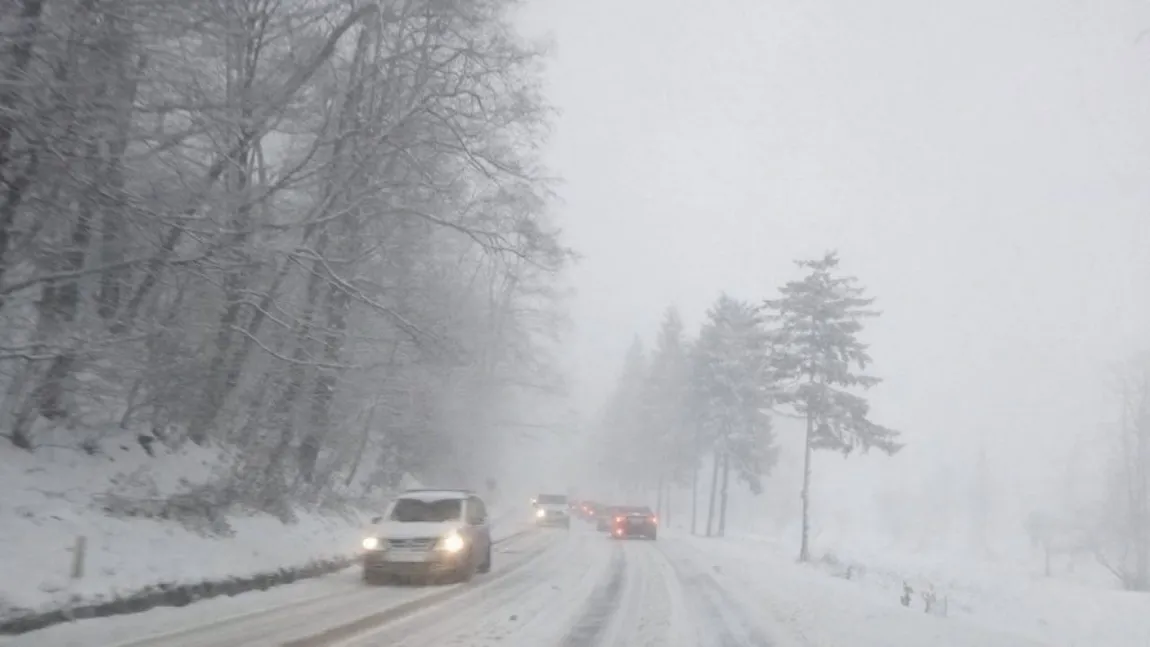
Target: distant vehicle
[[429, 535], [604, 517], [634, 521], [590, 510], [552, 510]]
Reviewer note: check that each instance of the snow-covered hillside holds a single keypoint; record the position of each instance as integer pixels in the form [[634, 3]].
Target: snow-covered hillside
[[125, 505]]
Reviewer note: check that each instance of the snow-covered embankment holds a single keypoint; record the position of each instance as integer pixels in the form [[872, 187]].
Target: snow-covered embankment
[[55, 499]]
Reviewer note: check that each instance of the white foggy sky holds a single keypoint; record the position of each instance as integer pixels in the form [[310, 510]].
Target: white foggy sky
[[982, 165]]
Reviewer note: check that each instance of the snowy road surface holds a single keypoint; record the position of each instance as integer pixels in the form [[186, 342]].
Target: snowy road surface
[[551, 589]]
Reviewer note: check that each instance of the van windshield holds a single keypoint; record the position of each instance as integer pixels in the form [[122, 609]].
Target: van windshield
[[551, 498], [424, 511]]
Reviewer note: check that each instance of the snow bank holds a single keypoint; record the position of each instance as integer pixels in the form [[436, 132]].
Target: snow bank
[[54, 496], [1000, 596]]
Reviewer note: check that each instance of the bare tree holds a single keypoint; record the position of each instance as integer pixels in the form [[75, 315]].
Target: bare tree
[[303, 230], [1122, 541]]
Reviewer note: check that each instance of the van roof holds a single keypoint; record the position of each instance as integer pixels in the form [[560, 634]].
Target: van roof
[[429, 494]]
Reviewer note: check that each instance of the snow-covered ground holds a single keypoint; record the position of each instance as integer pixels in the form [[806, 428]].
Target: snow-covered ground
[[56, 495], [574, 589], [1003, 596], [561, 589], [290, 612]]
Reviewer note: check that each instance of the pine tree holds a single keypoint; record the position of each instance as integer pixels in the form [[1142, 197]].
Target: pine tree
[[732, 390], [817, 350], [670, 433], [981, 501], [626, 419]]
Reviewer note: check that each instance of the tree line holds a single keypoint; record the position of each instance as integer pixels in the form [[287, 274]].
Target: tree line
[[314, 232], [695, 412], [1101, 509]]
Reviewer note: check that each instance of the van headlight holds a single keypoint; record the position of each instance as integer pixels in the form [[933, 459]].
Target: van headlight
[[452, 542], [540, 513], [371, 543]]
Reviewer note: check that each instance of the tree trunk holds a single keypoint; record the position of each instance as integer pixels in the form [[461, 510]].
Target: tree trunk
[[113, 221], [220, 382], [714, 491], [337, 309], [358, 458], [223, 374], [695, 498], [659, 511], [723, 495], [1141, 489], [17, 182], [804, 548], [283, 412]]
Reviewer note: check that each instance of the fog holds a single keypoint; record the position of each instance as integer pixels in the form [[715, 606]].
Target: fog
[[982, 167], [861, 284]]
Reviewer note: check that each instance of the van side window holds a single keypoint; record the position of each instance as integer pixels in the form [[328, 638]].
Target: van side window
[[476, 511]]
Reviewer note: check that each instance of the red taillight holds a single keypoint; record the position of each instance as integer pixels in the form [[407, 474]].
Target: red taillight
[[618, 519], [655, 520]]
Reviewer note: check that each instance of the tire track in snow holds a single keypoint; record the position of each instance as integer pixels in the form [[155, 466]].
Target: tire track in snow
[[492, 586], [650, 611], [719, 611], [721, 607], [592, 624], [493, 615], [497, 617]]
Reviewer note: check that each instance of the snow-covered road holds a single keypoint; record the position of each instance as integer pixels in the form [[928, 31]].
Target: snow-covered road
[[550, 589]]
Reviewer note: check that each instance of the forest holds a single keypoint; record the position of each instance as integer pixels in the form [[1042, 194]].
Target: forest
[[315, 234]]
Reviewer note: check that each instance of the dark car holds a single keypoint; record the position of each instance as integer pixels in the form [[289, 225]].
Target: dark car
[[634, 521], [429, 535]]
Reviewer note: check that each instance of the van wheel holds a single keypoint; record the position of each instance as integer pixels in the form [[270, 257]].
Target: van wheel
[[466, 570], [485, 567]]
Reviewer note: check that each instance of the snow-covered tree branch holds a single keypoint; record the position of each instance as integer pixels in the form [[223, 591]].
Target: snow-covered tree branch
[[309, 231]]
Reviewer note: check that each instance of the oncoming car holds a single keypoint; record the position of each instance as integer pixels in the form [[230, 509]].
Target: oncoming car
[[429, 535], [552, 510], [633, 521]]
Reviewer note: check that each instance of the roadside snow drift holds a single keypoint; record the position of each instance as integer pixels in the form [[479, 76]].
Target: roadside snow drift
[[55, 496], [996, 597]]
